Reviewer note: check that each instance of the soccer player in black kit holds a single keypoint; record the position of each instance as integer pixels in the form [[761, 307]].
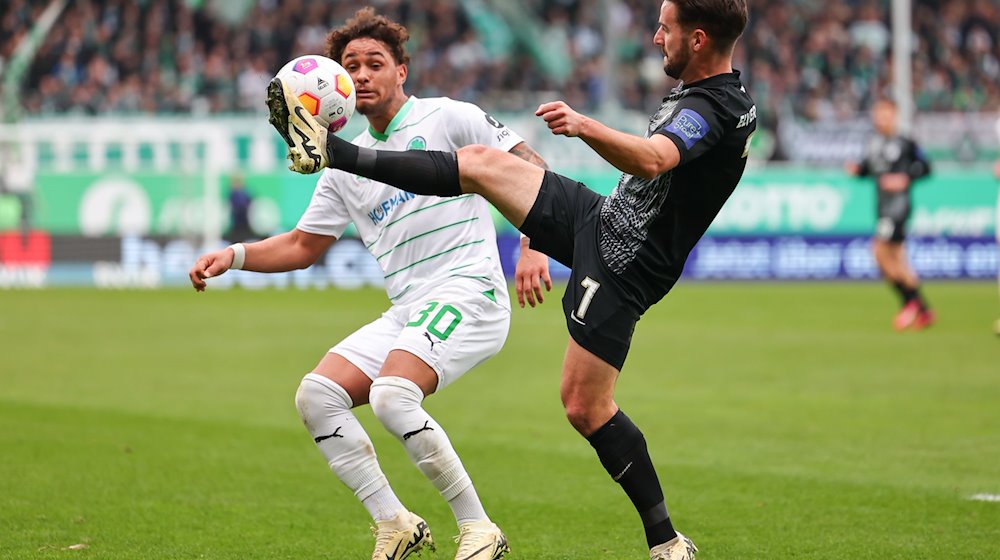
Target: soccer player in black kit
[[895, 162], [625, 250]]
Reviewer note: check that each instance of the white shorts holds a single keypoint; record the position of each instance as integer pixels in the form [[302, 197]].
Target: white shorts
[[452, 329]]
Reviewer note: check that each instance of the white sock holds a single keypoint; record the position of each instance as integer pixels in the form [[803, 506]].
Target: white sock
[[397, 404], [467, 507], [325, 408]]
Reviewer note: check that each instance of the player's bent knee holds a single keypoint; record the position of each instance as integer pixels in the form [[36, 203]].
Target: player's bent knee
[[391, 396], [585, 419], [474, 164], [318, 397]]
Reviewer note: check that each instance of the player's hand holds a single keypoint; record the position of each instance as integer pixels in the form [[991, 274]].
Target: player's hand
[[210, 265], [996, 170], [561, 118], [894, 182], [531, 271], [852, 168]]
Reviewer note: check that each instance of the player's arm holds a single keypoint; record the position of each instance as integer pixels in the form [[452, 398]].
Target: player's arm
[[288, 251], [642, 157], [920, 165], [857, 169], [532, 269]]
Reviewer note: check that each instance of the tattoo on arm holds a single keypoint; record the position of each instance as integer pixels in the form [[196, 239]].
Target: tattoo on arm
[[524, 151]]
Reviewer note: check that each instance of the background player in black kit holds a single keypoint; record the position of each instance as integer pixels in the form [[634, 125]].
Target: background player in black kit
[[627, 250], [896, 162]]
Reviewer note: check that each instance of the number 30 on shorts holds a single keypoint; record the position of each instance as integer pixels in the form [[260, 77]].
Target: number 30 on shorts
[[447, 316]]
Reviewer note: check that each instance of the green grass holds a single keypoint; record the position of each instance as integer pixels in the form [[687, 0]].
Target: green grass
[[786, 421]]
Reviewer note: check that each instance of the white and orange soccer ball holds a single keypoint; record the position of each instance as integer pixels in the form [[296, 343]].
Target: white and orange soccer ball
[[323, 87]]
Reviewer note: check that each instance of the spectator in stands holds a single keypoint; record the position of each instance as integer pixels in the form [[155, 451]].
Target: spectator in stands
[[810, 60], [239, 211]]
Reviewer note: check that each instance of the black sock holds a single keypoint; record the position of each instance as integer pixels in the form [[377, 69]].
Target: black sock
[[622, 450], [920, 299], [905, 294], [415, 171]]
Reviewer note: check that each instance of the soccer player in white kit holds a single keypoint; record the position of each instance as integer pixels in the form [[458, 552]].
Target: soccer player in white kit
[[450, 308]]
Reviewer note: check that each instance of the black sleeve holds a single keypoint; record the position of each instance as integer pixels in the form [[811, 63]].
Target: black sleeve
[[695, 127], [864, 168], [920, 166]]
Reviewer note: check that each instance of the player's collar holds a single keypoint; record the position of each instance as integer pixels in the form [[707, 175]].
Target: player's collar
[[733, 76], [394, 123]]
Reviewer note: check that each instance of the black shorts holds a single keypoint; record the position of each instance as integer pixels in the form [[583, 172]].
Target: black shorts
[[893, 214], [564, 223], [889, 228]]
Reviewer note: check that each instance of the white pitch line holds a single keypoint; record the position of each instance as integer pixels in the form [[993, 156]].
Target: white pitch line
[[985, 497]]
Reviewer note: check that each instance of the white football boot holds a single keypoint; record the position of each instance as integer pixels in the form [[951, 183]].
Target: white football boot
[[401, 536], [678, 548], [480, 540], [305, 137]]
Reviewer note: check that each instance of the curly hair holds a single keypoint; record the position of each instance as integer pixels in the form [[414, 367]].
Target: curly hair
[[366, 23]]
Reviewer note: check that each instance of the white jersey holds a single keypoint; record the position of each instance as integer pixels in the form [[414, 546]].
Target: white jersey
[[418, 241]]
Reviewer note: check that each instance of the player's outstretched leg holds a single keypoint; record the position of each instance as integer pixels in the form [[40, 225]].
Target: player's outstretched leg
[[311, 148], [325, 408], [305, 137], [396, 402]]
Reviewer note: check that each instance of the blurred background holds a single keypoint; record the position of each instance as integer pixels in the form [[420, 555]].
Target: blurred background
[[134, 132]]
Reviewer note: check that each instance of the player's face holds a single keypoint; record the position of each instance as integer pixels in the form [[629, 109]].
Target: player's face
[[884, 118], [673, 41], [377, 78]]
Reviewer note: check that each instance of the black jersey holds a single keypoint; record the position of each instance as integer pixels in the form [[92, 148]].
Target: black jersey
[[894, 154], [649, 226]]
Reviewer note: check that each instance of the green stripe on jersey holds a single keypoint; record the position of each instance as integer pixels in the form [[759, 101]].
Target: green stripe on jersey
[[470, 264], [434, 256], [401, 294], [405, 241], [418, 210], [415, 123]]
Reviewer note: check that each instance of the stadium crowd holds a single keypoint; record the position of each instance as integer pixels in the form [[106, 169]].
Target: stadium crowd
[[817, 60]]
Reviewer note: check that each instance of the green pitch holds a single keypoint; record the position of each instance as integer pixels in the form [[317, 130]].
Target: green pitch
[[787, 421]]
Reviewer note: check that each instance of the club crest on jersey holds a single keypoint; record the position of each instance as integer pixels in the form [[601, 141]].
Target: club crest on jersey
[[689, 126], [417, 143], [384, 208]]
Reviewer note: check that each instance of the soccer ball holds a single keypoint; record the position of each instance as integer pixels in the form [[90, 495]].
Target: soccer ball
[[323, 87]]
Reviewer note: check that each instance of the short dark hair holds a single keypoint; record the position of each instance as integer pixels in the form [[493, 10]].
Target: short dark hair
[[366, 23], [722, 20], [886, 100]]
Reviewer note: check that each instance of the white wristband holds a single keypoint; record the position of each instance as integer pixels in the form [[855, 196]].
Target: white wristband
[[239, 256]]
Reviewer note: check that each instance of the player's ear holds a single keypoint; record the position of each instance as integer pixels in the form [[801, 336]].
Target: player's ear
[[401, 72], [699, 40]]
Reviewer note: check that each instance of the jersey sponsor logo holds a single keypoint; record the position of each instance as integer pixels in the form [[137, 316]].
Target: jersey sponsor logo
[[689, 126], [384, 208], [748, 117]]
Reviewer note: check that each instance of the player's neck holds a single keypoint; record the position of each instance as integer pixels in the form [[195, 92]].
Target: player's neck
[[710, 66], [379, 122]]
